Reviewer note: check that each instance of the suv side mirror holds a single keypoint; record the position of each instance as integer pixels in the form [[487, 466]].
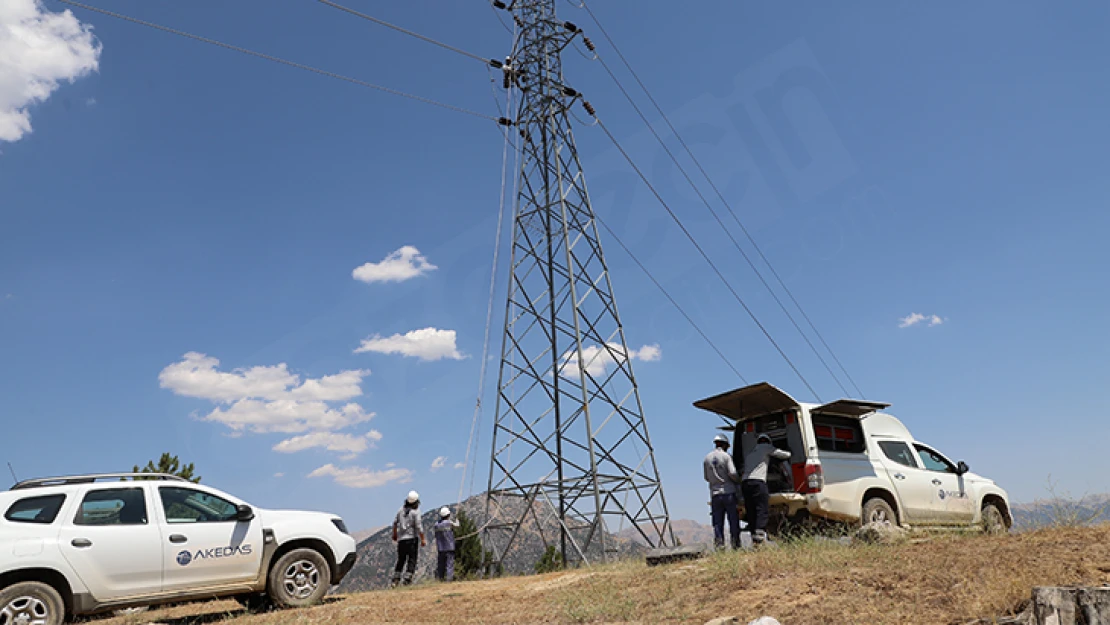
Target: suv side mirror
[[243, 512], [961, 468]]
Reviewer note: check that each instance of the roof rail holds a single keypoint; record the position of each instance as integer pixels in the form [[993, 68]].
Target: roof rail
[[85, 479]]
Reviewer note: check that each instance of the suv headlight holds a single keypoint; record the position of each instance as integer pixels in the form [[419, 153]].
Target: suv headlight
[[340, 525]]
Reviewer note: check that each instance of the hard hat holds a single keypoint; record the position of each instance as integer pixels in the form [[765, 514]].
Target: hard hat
[[720, 438], [413, 497], [444, 512], [763, 437]]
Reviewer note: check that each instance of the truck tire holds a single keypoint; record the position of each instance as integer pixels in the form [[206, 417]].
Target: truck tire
[[877, 510], [994, 522], [31, 602], [299, 578]]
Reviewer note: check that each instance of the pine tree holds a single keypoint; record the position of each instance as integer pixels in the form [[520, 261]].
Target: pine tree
[[550, 561], [469, 557], [170, 464]]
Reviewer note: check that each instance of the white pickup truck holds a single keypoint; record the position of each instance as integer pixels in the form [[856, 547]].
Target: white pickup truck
[[80, 545], [851, 463]]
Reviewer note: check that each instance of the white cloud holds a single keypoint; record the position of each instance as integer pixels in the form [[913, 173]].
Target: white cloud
[[425, 344], [438, 463], [913, 319], [279, 475], [196, 376], [331, 441], [599, 359], [460, 465], [40, 49], [360, 477], [403, 264], [90, 102], [287, 416]]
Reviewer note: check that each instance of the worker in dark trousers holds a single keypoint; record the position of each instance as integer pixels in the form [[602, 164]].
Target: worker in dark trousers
[[721, 474], [445, 545], [406, 529], [754, 485]]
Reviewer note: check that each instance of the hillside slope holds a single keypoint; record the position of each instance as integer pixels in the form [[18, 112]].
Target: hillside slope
[[936, 579]]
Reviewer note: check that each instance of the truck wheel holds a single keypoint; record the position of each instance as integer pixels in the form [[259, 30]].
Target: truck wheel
[[994, 522], [877, 510], [300, 578], [33, 603]]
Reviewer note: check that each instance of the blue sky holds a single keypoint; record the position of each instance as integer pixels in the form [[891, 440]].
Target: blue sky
[[892, 159]]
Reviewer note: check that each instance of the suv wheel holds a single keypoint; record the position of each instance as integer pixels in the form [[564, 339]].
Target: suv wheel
[[994, 522], [31, 603], [877, 510], [300, 578]]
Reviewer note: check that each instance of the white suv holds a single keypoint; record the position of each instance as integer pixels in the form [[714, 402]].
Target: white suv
[[851, 463], [80, 545]]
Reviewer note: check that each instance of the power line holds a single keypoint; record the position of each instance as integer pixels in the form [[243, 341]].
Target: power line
[[708, 260], [282, 61], [410, 33], [671, 299], [720, 196], [720, 222]]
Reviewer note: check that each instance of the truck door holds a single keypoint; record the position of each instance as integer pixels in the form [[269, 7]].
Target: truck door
[[204, 544], [950, 502], [113, 544], [911, 482]]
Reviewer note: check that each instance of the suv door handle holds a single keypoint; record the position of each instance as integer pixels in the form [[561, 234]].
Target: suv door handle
[[178, 538], [937, 482], [899, 476], [81, 542]]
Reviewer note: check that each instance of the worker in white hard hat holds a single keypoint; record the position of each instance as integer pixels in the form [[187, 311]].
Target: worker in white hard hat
[[445, 545], [720, 472], [406, 529], [754, 485]]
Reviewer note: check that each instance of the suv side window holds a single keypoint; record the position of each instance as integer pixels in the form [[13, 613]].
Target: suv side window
[[835, 433], [898, 452], [186, 505], [42, 509], [113, 506], [934, 461]]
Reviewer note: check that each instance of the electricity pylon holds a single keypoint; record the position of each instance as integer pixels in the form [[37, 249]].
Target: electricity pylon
[[570, 442]]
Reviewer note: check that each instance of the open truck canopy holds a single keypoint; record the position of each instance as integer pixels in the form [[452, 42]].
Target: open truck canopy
[[763, 398]]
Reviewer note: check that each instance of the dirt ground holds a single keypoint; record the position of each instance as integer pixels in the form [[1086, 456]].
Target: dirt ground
[[942, 579]]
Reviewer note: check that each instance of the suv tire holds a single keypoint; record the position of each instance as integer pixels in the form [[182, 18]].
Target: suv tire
[[299, 578], [877, 510], [994, 522], [32, 602]]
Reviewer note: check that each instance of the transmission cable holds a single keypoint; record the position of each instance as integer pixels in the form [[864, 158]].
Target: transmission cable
[[670, 298], [410, 33], [720, 195], [720, 222], [282, 61], [704, 255]]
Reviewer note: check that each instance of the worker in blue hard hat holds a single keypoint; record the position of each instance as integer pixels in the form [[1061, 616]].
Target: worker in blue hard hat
[[720, 472]]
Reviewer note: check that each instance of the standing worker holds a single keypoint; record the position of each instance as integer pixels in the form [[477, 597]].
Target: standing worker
[[445, 545], [754, 486], [721, 474], [406, 528]]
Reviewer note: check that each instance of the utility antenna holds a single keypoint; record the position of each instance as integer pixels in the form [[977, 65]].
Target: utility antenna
[[569, 433], [14, 478]]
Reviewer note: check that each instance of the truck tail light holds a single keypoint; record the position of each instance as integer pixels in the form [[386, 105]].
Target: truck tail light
[[814, 477]]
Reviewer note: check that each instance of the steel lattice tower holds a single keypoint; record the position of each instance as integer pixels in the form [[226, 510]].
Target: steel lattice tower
[[571, 452]]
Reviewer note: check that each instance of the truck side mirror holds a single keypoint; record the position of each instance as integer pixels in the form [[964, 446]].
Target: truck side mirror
[[961, 468], [243, 512]]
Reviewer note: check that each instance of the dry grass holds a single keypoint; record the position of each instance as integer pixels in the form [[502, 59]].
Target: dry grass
[[944, 579]]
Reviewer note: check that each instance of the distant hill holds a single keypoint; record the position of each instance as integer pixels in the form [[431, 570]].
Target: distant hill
[[362, 535], [686, 531], [1090, 509], [377, 553]]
